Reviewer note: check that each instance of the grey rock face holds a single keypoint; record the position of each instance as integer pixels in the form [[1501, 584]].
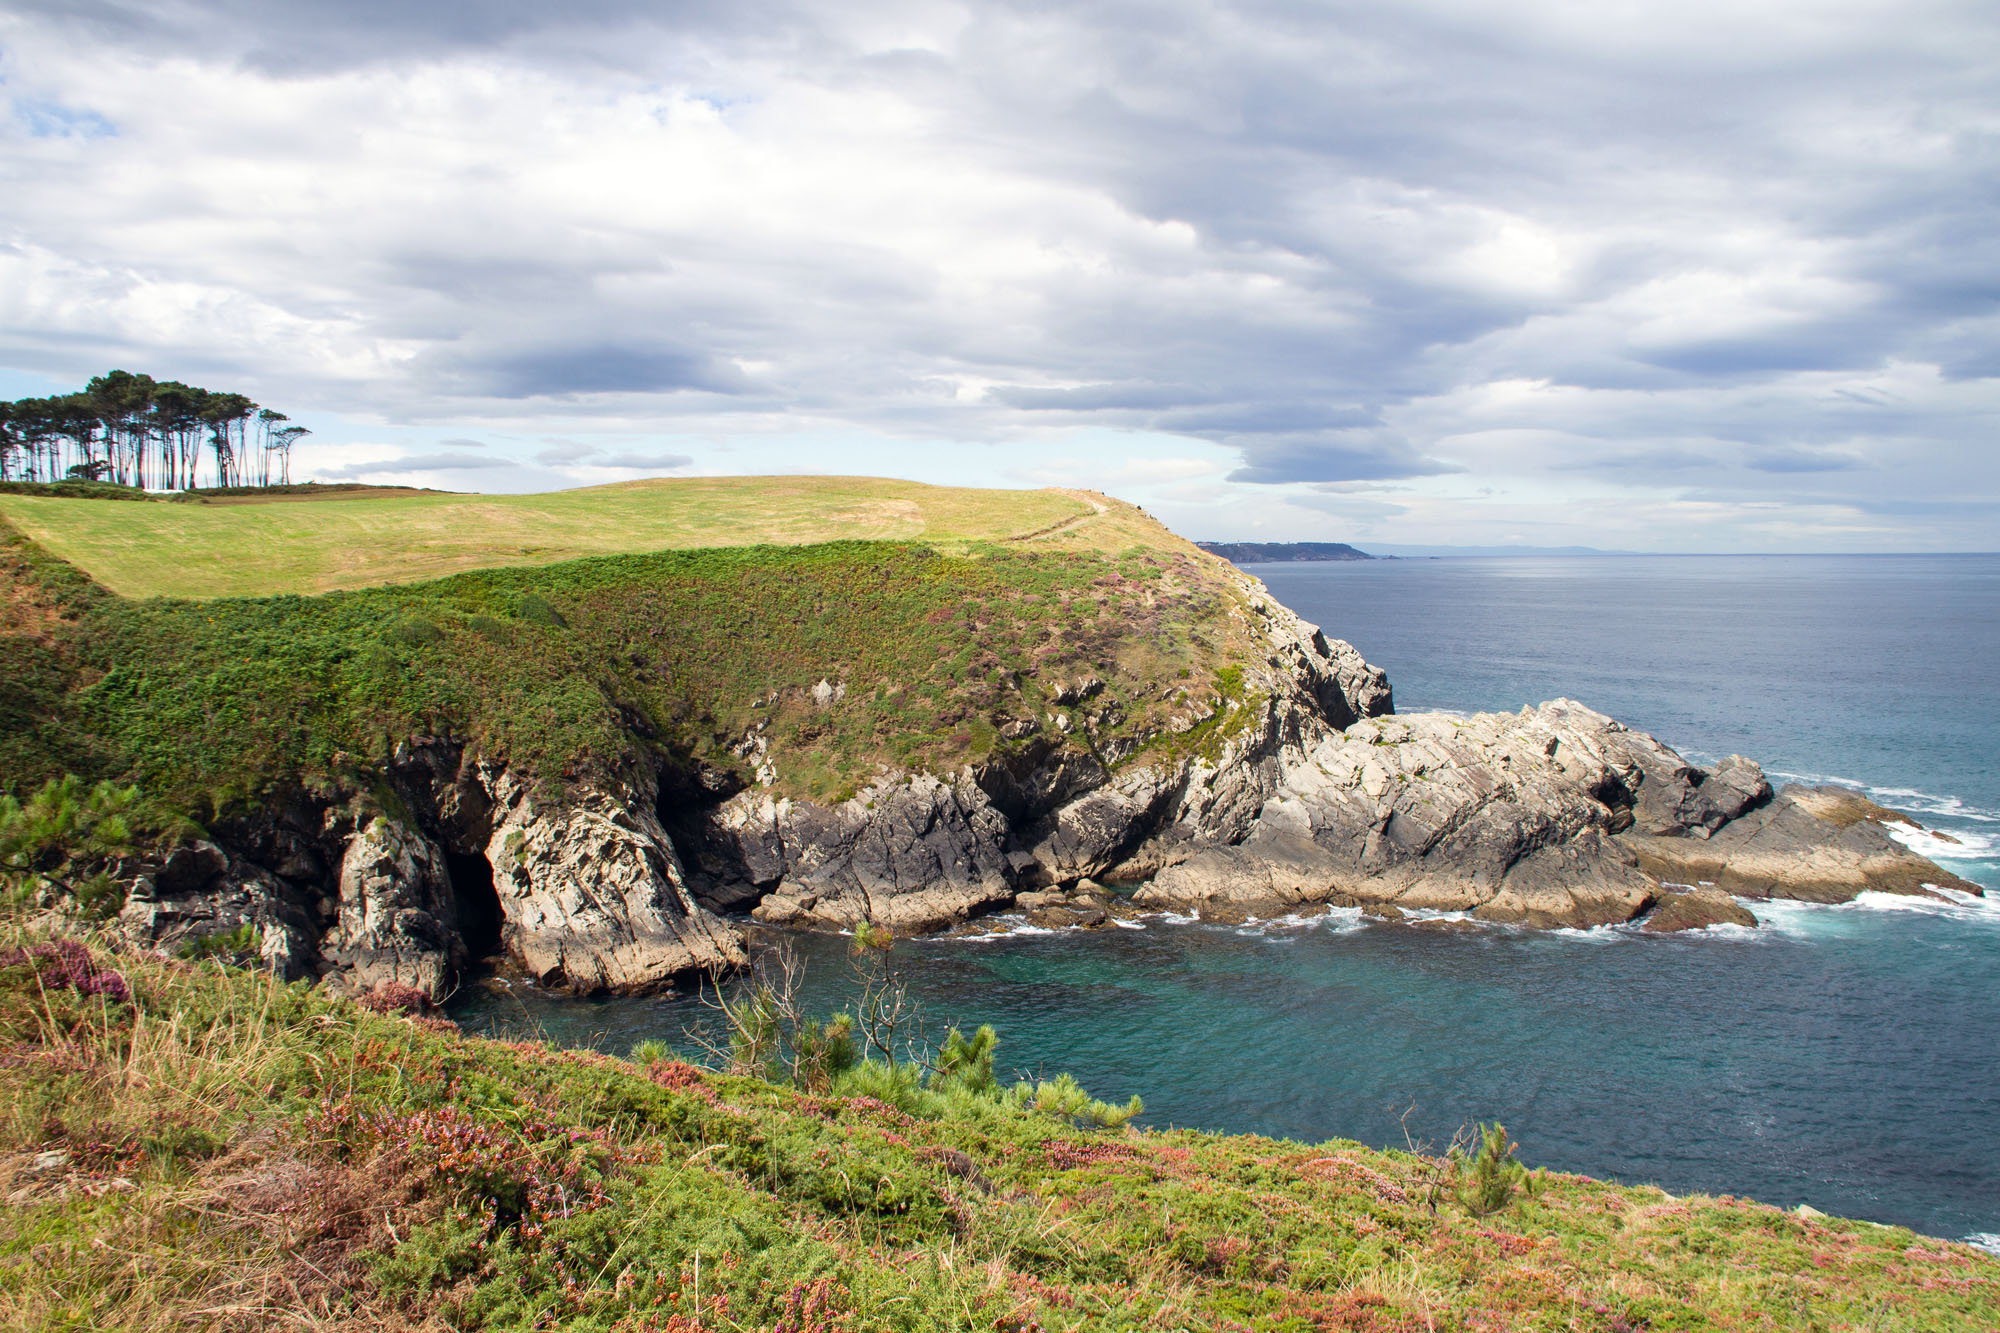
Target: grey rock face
[[1507, 816], [912, 853], [594, 897], [1814, 844], [397, 918]]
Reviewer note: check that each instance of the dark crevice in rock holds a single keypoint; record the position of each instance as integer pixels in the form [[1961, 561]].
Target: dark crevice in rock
[[481, 921]]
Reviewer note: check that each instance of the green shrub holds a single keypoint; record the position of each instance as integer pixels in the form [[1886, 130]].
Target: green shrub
[[1488, 1180]]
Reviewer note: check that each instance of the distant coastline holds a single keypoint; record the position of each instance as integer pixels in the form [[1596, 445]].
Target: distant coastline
[[1256, 553]]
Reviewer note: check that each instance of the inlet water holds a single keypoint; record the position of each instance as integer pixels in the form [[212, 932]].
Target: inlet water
[[1848, 1057]]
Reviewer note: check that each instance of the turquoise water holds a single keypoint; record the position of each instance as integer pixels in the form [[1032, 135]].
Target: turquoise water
[[1842, 1056]]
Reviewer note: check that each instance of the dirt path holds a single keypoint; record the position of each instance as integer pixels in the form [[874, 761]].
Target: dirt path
[[1097, 507]]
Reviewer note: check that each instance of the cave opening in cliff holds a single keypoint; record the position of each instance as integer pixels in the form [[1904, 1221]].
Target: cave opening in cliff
[[479, 914]]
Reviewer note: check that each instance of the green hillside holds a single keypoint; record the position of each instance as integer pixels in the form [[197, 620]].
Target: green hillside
[[586, 667], [222, 1151], [258, 545]]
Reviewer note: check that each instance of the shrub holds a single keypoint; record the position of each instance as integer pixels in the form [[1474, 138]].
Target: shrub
[[1487, 1181], [67, 964]]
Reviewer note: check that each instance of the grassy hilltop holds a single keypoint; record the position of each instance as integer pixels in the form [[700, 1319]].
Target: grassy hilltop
[[258, 544], [726, 602]]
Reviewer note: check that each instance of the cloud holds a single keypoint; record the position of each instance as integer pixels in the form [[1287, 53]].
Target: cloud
[[405, 463], [1614, 251], [642, 462]]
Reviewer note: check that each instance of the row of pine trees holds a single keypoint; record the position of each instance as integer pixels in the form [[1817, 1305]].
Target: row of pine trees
[[134, 430]]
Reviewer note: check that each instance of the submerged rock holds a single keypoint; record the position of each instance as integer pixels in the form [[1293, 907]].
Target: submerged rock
[[1696, 909]]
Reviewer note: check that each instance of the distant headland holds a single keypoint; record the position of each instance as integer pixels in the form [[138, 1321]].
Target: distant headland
[[1257, 553]]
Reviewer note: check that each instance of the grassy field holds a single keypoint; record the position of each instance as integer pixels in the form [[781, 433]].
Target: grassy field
[[188, 1146], [251, 546], [586, 668]]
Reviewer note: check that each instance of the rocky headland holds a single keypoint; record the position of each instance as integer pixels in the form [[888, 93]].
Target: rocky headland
[[1317, 792], [606, 772]]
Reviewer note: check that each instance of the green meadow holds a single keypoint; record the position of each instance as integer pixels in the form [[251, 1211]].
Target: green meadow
[[259, 545]]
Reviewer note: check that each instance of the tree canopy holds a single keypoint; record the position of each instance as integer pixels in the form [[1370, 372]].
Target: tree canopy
[[133, 430]]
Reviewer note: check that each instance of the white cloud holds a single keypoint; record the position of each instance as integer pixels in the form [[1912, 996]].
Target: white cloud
[[1656, 269]]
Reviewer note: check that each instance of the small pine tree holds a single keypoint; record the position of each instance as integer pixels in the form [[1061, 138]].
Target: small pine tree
[[967, 1065], [1486, 1182]]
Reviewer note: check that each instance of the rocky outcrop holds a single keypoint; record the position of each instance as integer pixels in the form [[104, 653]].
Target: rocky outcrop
[[593, 895], [1296, 785], [1814, 844], [1555, 816], [397, 917], [585, 894], [1696, 909]]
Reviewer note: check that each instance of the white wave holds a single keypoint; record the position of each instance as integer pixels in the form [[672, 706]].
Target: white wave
[[1623, 930], [1924, 803], [1961, 846], [1435, 914], [1809, 919], [1123, 924], [1337, 920], [1988, 1241], [1909, 799]]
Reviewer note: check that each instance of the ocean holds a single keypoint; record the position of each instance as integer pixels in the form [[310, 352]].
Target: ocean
[[1847, 1057]]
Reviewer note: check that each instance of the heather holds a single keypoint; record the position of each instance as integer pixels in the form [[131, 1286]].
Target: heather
[[219, 1149]]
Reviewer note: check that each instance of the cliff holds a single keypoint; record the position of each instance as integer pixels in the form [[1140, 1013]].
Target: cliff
[[601, 768]]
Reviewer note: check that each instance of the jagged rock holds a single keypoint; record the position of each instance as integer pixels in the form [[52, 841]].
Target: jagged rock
[[1817, 844], [1696, 909], [1067, 915], [200, 892], [1505, 815], [397, 917], [912, 853], [190, 868], [593, 895]]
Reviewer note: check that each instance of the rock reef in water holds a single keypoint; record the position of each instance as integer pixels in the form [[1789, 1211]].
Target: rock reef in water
[[1556, 816]]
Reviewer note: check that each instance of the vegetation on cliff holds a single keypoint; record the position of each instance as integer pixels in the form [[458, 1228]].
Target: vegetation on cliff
[[817, 664], [189, 1146]]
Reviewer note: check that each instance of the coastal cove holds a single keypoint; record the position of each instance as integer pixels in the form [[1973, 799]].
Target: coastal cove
[[1835, 1055]]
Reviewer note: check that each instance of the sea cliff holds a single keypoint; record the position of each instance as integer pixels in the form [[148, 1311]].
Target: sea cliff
[[604, 771]]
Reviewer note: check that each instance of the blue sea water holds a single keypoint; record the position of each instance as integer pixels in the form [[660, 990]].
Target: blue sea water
[[1848, 1057]]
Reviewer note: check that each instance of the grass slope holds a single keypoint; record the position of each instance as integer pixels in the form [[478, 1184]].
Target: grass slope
[[249, 545], [223, 1151], [587, 667]]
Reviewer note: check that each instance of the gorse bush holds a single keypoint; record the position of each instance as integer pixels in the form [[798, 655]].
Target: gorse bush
[[879, 1050]]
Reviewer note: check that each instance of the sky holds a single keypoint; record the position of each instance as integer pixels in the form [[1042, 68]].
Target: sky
[[1687, 276]]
